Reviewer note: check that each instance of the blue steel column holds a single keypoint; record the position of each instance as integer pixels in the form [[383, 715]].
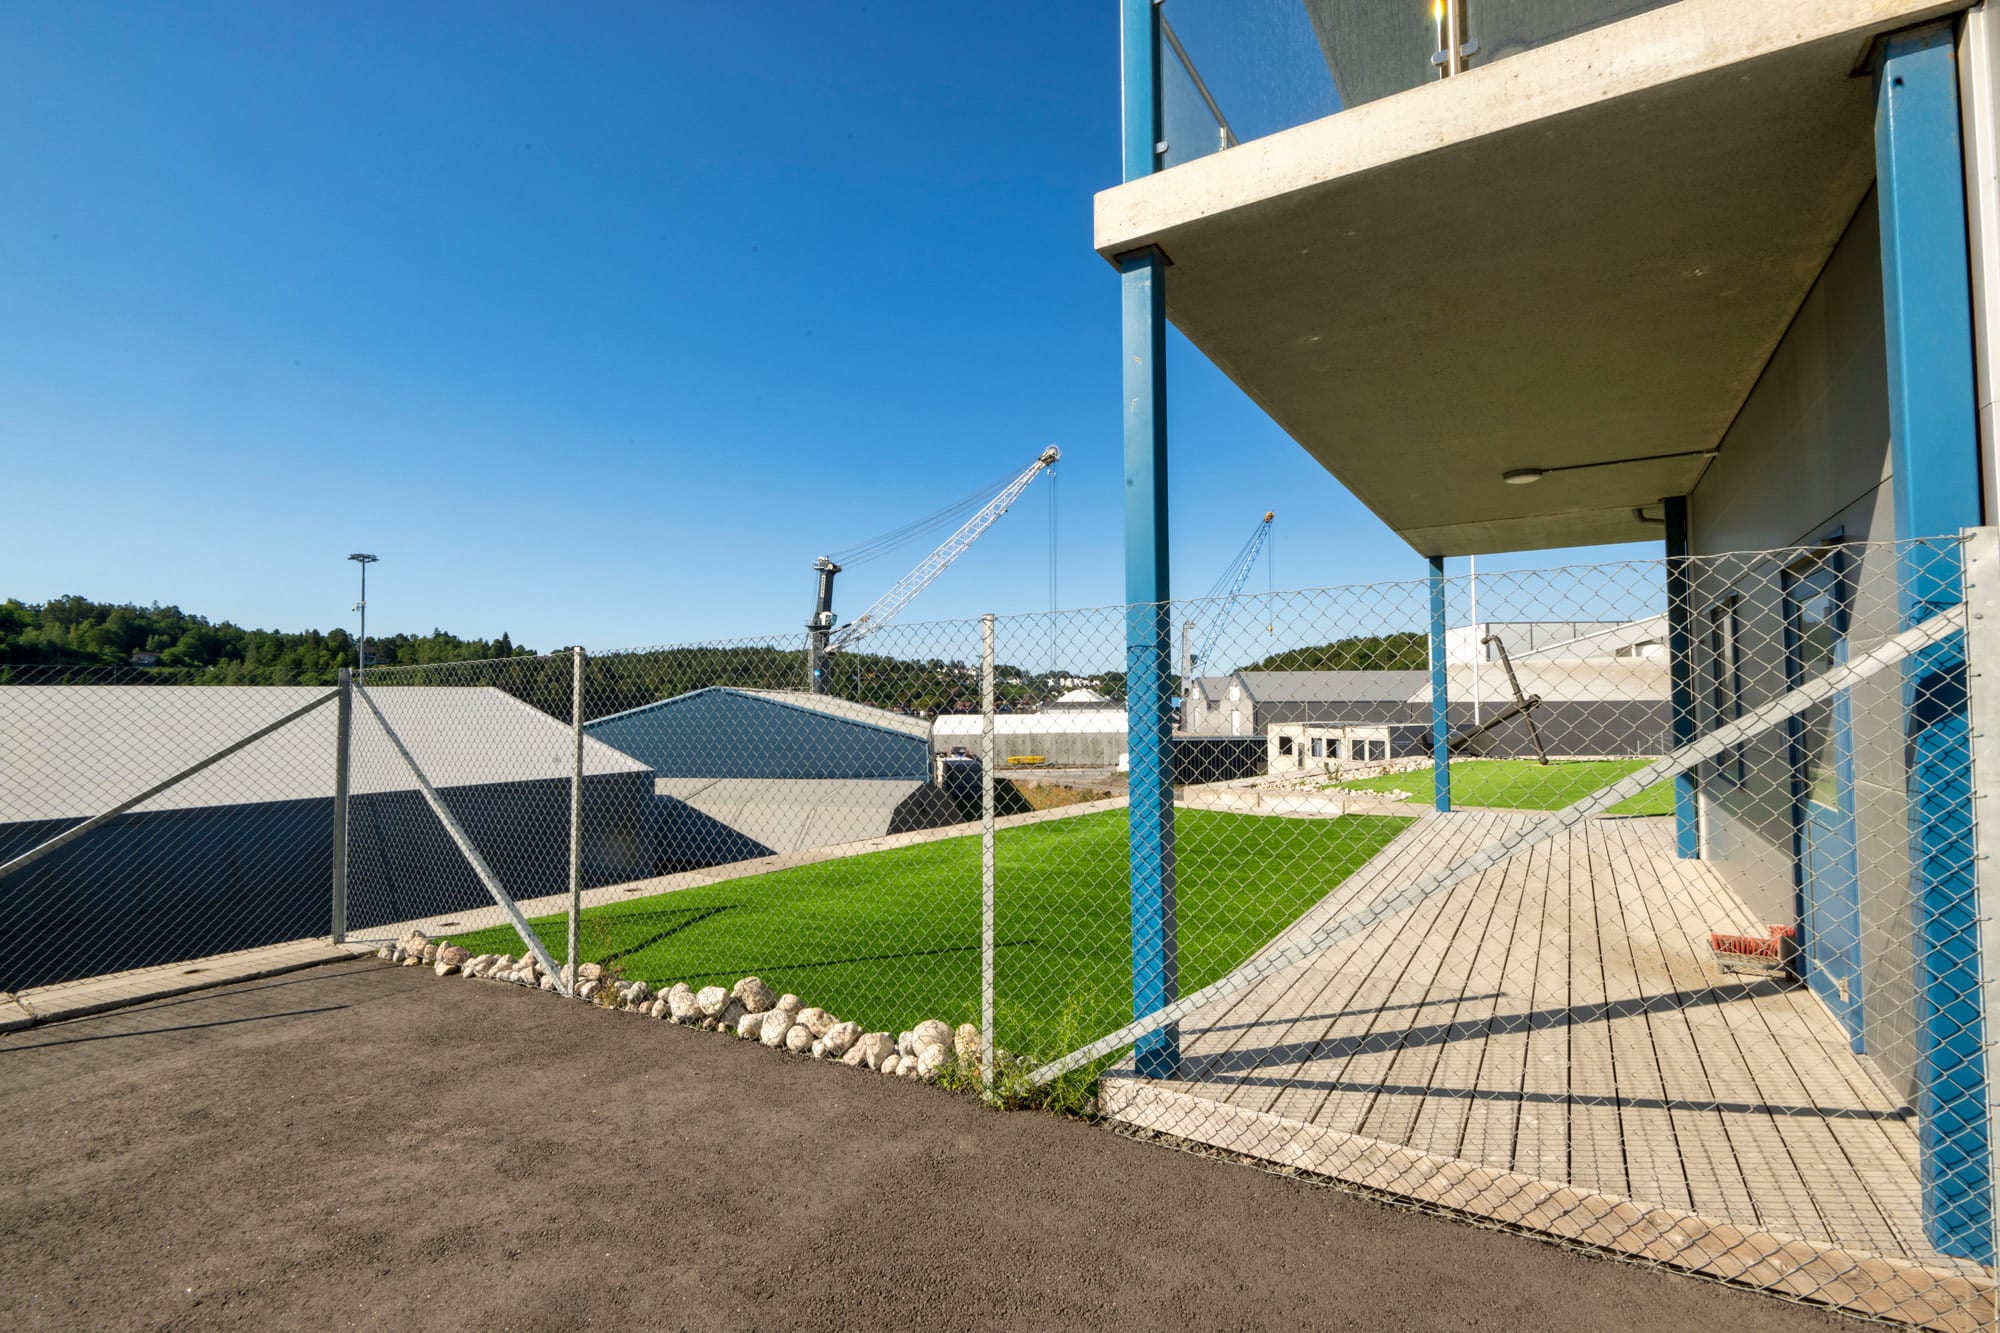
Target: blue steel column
[[1934, 454], [1148, 631], [1680, 686], [1440, 693]]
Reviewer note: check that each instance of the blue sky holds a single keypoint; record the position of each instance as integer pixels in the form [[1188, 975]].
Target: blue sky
[[597, 323]]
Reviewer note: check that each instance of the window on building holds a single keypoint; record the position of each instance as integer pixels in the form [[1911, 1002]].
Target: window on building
[[1284, 745], [1332, 749], [1725, 680], [1317, 752]]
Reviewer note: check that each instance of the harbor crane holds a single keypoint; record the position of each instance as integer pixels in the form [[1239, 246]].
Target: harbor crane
[[825, 637], [1226, 590]]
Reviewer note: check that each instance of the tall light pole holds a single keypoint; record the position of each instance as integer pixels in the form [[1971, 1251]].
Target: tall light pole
[[361, 666]]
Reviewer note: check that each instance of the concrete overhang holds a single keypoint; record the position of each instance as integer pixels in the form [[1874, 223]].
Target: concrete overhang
[[1582, 253]]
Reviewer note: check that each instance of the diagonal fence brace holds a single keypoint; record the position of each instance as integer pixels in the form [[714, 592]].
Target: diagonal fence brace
[[1886, 654], [501, 897]]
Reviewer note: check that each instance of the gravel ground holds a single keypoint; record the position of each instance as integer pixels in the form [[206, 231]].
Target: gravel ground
[[362, 1145]]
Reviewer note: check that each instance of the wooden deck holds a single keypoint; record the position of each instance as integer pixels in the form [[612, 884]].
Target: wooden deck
[[1557, 1020]]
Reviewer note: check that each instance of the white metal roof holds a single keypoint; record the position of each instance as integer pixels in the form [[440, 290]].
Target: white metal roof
[[72, 751]]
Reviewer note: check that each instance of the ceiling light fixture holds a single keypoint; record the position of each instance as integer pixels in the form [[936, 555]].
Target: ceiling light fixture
[[1525, 476]]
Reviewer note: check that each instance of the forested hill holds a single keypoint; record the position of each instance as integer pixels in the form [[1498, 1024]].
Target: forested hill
[[77, 632], [1409, 651]]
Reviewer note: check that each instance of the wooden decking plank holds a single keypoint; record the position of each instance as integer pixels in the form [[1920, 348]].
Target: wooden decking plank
[[1399, 992], [1803, 1098], [1784, 1154], [1542, 1136], [1298, 1005], [1494, 1112], [1213, 1035], [1654, 1168], [1716, 1145], [1436, 1062], [1597, 1136], [1440, 1123], [1860, 1185], [1619, 1060], [1367, 971]]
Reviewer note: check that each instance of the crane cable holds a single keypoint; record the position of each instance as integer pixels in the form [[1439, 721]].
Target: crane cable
[[876, 547], [1055, 624]]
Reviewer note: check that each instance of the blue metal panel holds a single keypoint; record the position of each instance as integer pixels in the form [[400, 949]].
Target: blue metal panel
[[724, 733], [1148, 697], [1934, 456], [1680, 665], [1440, 691]]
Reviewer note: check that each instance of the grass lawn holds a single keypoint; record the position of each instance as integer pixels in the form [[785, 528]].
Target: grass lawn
[[892, 937], [1523, 784]]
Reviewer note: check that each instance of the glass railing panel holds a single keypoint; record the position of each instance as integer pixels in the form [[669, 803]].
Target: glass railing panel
[[1508, 27], [1236, 70], [1263, 66]]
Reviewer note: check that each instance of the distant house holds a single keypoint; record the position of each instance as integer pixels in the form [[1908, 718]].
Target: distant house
[[142, 658], [1083, 698], [1597, 694]]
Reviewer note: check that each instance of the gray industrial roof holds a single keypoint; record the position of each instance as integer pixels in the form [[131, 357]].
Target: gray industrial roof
[[865, 714], [853, 712], [72, 751]]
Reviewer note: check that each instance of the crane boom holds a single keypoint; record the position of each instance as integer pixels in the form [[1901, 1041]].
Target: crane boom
[[1233, 579], [825, 639]]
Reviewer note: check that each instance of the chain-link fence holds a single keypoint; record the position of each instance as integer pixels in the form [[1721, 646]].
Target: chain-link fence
[[144, 823], [1633, 904]]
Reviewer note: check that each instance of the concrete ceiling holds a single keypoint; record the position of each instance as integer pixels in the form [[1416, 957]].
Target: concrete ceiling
[[1580, 254]]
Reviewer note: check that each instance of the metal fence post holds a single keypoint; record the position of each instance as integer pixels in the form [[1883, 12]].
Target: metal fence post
[[1982, 651], [1680, 668], [1440, 689], [343, 735], [986, 859], [575, 812]]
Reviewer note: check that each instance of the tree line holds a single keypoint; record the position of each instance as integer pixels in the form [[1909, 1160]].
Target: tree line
[[74, 637], [1406, 651], [77, 640]]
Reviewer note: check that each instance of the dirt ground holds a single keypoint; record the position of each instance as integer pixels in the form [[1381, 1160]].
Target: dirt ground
[[360, 1145]]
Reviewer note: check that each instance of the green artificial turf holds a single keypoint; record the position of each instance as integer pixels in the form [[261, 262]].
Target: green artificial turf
[[892, 937], [1523, 784]]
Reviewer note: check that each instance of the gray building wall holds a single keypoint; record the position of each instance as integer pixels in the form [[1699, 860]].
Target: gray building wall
[[161, 886], [1807, 461], [1063, 738], [714, 821]]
